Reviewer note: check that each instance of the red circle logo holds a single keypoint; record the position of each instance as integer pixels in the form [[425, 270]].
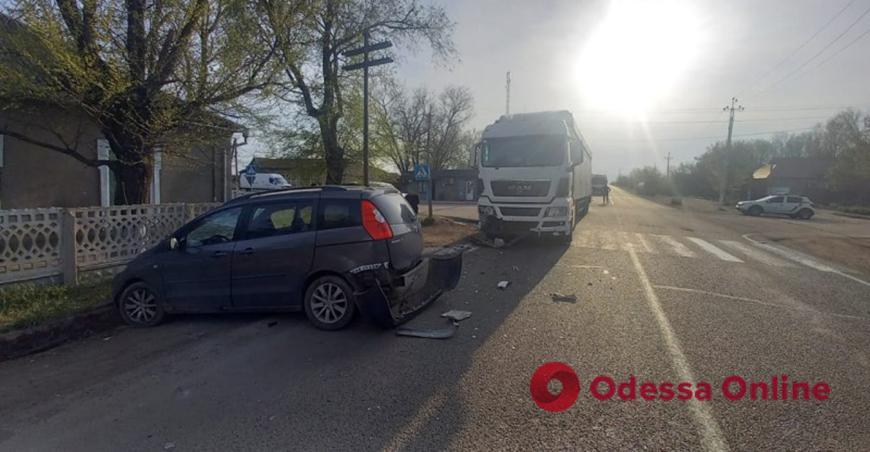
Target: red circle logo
[[542, 395]]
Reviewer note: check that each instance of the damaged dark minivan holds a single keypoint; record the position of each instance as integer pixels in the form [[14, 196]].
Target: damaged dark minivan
[[331, 251]]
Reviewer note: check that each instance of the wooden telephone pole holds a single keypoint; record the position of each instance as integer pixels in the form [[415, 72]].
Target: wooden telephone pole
[[365, 65]]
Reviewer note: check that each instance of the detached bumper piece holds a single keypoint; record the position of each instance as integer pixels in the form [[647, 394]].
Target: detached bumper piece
[[391, 298]]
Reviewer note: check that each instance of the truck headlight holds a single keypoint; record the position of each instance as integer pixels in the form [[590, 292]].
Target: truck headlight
[[485, 211], [557, 212]]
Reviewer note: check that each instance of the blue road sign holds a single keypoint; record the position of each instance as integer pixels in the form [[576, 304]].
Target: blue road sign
[[421, 172], [250, 174]]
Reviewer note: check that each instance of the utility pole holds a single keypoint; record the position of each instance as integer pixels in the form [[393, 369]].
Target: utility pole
[[429, 156], [507, 98], [365, 65], [668, 170], [723, 180]]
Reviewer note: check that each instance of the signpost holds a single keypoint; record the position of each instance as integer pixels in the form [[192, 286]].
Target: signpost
[[365, 65], [250, 175]]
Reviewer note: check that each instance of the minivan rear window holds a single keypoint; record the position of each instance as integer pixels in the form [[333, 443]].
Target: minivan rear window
[[395, 208], [338, 213]]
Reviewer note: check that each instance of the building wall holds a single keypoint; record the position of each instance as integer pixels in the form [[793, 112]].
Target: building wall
[[197, 176], [33, 176]]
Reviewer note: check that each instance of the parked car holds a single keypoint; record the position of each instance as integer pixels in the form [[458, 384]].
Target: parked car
[[264, 181], [793, 206], [330, 251]]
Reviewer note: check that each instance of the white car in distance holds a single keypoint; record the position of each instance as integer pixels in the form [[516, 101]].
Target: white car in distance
[[793, 206]]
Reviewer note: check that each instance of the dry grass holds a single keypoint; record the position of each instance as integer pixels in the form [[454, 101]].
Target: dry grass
[[851, 252], [25, 305], [446, 232]]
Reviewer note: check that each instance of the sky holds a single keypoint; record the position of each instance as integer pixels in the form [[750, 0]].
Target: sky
[[645, 79]]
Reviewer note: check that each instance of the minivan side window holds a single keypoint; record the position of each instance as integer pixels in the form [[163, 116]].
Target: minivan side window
[[338, 213], [793, 199], [774, 200], [280, 219], [216, 228]]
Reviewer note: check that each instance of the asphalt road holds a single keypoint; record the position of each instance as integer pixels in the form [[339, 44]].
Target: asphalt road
[[663, 295]]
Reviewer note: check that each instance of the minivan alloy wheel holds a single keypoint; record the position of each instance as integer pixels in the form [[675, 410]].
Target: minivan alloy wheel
[[140, 305], [329, 302]]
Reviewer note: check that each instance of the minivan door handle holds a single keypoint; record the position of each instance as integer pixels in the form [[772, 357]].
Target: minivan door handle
[[248, 251], [219, 254]]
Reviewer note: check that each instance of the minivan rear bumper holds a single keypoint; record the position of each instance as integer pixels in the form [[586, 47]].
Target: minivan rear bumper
[[390, 298]]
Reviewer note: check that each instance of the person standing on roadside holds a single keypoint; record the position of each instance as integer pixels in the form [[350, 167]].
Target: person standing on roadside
[[606, 195]]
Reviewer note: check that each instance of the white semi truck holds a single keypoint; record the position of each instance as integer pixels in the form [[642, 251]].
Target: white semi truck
[[535, 175]]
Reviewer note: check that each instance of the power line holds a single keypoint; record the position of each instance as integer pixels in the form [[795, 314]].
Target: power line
[[720, 121], [826, 47], [715, 137], [800, 47], [850, 44]]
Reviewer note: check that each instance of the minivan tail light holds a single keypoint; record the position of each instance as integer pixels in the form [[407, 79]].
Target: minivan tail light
[[374, 222]]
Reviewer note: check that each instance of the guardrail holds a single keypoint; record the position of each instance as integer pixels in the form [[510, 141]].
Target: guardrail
[[83, 243]]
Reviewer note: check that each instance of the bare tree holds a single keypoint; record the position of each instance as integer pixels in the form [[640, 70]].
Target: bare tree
[[331, 28], [148, 73]]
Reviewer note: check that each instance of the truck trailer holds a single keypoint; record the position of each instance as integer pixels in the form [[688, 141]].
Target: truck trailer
[[535, 175]]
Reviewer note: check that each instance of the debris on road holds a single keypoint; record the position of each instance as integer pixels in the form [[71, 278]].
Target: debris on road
[[456, 315], [498, 242], [561, 298], [272, 323], [437, 333], [516, 268], [503, 284]]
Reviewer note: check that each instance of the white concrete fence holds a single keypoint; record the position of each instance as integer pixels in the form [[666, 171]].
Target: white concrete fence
[[72, 245]]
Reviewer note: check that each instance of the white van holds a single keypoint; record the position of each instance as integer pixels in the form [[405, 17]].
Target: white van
[[264, 181]]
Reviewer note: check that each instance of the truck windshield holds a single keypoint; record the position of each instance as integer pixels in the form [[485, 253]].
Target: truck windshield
[[524, 151]]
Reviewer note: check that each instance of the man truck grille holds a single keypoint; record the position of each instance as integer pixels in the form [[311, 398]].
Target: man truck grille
[[520, 211], [520, 188]]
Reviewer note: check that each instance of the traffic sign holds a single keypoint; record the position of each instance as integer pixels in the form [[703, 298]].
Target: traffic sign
[[250, 174], [421, 172]]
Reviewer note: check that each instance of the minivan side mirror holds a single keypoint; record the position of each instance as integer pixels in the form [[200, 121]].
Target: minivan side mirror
[[173, 243]]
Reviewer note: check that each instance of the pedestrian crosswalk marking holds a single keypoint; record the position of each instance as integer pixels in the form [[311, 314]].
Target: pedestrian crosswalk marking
[[714, 250], [692, 247], [758, 255], [643, 243], [678, 247]]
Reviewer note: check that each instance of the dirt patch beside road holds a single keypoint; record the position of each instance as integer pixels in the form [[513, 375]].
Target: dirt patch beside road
[[446, 232], [851, 252]]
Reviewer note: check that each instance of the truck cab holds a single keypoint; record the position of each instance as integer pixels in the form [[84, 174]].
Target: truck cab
[[535, 175]]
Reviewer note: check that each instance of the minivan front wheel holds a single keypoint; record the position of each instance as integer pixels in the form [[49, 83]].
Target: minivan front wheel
[[329, 303], [139, 306]]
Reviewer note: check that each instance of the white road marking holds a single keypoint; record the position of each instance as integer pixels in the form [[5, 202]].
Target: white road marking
[[755, 254], [708, 428], [597, 267], [643, 243], [714, 250], [752, 300], [802, 258], [678, 247]]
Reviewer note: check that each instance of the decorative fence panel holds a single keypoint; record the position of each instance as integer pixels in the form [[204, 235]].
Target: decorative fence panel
[[45, 243], [29, 244]]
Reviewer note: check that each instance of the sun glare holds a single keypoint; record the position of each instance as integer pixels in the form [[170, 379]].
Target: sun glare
[[637, 54]]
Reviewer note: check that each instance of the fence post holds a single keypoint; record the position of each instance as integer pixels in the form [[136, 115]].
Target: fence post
[[68, 248]]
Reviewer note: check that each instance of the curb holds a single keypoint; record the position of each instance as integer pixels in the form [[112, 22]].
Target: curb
[[851, 215], [26, 341]]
